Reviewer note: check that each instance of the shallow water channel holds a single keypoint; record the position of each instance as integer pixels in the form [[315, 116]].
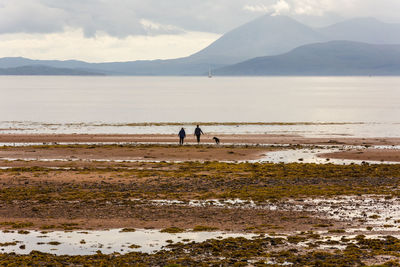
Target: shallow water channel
[[312, 155], [106, 241]]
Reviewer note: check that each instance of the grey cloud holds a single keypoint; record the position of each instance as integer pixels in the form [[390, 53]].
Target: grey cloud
[[29, 16], [123, 18]]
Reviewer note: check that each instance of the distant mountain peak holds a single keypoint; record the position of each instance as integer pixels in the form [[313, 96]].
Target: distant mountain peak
[[266, 35], [364, 29]]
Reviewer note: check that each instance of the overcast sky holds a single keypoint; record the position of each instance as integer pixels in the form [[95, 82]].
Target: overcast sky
[[121, 30]]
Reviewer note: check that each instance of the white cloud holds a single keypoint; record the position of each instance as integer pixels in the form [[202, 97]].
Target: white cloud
[[298, 7], [258, 8], [278, 8], [153, 28], [383, 9], [72, 44], [281, 7]]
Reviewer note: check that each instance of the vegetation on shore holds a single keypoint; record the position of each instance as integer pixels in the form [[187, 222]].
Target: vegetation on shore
[[259, 251], [194, 180]]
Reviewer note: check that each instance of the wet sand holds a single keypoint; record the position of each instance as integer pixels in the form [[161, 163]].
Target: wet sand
[[99, 217], [133, 152], [225, 139]]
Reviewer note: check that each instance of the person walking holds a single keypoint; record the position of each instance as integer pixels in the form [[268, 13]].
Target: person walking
[[198, 132], [182, 135]]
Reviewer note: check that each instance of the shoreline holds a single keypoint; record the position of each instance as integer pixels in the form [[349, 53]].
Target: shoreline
[[250, 139]]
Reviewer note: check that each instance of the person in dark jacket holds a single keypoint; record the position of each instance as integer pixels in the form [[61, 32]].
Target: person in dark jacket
[[198, 132], [182, 135]]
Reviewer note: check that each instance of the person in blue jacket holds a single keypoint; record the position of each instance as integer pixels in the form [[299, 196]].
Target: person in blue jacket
[[182, 135], [198, 132]]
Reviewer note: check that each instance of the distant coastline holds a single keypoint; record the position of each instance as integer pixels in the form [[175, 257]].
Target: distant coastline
[[46, 71]]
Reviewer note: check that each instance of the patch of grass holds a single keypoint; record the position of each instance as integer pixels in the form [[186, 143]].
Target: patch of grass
[[54, 243], [337, 231], [321, 225], [47, 227], [127, 230], [375, 216], [172, 230], [69, 226], [6, 244], [17, 225]]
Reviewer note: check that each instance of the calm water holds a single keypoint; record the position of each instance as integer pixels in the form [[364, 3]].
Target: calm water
[[29, 102], [187, 99]]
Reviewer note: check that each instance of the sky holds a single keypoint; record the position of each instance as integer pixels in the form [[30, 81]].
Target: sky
[[124, 30]]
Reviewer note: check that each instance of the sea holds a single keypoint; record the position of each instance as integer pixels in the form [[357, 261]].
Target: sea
[[363, 106]]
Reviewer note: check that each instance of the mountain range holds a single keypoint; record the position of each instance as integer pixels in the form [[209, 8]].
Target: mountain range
[[278, 39], [335, 58]]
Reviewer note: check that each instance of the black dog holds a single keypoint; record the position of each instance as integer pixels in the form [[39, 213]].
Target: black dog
[[216, 139]]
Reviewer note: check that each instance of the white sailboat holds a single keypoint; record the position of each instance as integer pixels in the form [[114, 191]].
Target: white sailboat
[[209, 73]]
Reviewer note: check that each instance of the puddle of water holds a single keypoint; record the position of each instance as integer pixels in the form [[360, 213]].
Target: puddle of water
[[229, 203], [374, 211], [111, 241], [88, 242], [380, 213], [312, 156], [223, 203]]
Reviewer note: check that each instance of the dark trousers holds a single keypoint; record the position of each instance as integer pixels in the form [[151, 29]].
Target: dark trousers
[[181, 140], [198, 138]]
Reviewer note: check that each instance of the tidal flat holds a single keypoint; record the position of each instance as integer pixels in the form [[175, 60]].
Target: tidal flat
[[164, 205]]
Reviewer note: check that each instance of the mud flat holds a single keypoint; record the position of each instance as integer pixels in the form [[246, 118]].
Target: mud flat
[[114, 197]]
